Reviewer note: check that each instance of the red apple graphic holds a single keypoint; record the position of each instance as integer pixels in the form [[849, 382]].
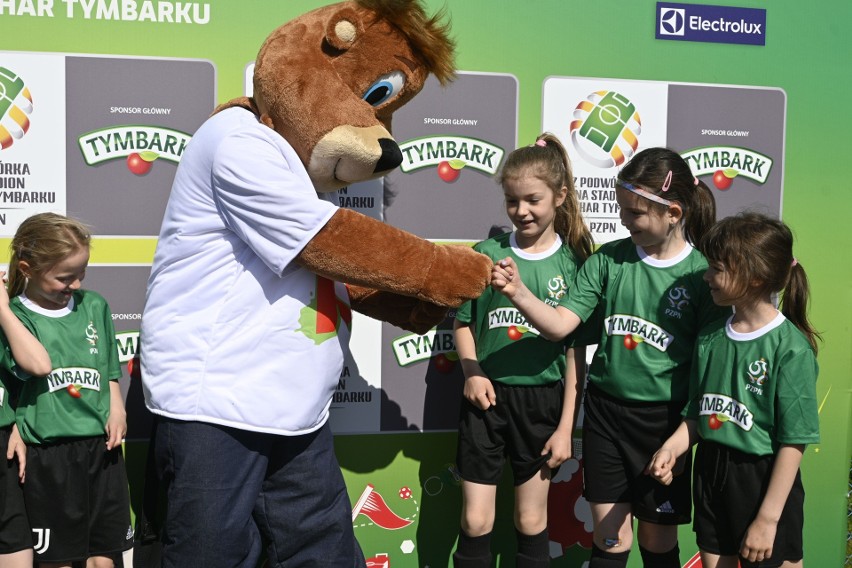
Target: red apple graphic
[[141, 163], [514, 333], [723, 179], [443, 363], [631, 341], [134, 368], [74, 390], [449, 170], [714, 422]]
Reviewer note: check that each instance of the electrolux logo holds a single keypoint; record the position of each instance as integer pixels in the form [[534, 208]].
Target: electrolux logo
[[715, 24], [671, 21]]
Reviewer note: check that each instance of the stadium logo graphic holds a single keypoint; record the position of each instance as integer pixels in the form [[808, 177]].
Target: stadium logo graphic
[[16, 104], [450, 154], [714, 24], [606, 128], [140, 145], [672, 21], [372, 505], [725, 163]]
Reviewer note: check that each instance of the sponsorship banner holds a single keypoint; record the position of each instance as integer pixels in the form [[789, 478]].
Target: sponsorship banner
[[732, 137], [715, 24]]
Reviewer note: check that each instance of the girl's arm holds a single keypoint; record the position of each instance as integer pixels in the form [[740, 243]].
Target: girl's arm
[[662, 465], [552, 324], [29, 354], [17, 448], [760, 536], [116, 426], [560, 443], [477, 387]]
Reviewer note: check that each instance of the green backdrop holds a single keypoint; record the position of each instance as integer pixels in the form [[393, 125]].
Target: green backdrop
[[806, 55]]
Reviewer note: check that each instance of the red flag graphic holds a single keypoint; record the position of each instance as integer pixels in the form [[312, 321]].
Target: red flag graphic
[[371, 505]]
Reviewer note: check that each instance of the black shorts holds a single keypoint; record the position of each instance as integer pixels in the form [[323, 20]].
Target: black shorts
[[729, 487], [517, 427], [15, 532], [77, 500], [619, 438]]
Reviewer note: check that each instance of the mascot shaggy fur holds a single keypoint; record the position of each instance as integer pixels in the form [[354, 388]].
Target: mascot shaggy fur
[[248, 308]]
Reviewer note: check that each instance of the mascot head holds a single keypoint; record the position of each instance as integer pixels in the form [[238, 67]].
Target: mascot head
[[329, 81]]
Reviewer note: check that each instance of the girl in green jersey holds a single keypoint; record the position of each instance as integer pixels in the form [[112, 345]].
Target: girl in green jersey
[[21, 356], [753, 404], [72, 417], [521, 391]]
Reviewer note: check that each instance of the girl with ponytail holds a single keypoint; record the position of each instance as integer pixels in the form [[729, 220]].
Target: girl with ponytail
[[521, 391], [753, 404]]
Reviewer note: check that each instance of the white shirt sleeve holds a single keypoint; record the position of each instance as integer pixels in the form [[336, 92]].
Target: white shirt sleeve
[[265, 197]]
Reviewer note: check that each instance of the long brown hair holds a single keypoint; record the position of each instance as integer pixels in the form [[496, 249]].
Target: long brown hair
[[548, 161], [649, 170], [42, 240], [758, 251]]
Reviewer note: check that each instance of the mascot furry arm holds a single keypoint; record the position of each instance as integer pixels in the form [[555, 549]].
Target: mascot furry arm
[[328, 82]]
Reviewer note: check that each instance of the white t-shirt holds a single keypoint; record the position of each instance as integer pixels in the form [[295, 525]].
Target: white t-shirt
[[229, 332]]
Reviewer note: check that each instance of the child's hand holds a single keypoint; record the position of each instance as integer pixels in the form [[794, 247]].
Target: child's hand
[[559, 447], [116, 427], [480, 392], [18, 449], [759, 539], [662, 466], [505, 277]]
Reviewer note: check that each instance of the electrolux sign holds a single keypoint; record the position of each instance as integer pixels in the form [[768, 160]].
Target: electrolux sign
[[716, 24]]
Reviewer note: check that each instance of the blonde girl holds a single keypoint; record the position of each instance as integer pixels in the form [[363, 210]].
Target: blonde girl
[[521, 391], [71, 418]]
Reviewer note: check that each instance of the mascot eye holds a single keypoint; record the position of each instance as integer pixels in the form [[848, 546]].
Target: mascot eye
[[384, 88]]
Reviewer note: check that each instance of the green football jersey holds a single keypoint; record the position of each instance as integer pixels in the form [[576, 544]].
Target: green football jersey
[[9, 383], [652, 311], [74, 399], [755, 391], [509, 349]]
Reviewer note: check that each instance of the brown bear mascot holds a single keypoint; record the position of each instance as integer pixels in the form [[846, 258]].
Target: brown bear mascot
[[247, 313]]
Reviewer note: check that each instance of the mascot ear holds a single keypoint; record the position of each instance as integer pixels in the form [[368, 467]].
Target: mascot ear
[[343, 29]]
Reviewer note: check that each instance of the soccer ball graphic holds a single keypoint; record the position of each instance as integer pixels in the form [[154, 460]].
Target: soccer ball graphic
[[16, 104], [605, 130]]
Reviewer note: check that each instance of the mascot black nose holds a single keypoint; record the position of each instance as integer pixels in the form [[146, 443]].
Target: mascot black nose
[[391, 155]]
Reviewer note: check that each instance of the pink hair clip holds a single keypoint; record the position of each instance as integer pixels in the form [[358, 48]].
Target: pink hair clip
[[795, 262], [541, 143], [695, 181], [667, 183]]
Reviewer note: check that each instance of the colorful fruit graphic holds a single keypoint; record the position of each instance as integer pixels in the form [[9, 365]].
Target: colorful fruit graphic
[[74, 390], [631, 341], [443, 363], [515, 332], [134, 368], [449, 170], [141, 163], [716, 420], [723, 179]]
